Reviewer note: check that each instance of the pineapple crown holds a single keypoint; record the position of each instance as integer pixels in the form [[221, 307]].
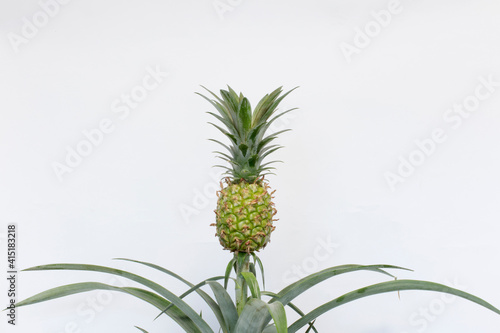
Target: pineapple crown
[[246, 131]]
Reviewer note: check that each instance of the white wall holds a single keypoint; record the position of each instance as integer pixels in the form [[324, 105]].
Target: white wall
[[364, 102]]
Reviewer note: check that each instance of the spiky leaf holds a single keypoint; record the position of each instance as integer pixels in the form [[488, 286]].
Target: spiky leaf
[[246, 130]]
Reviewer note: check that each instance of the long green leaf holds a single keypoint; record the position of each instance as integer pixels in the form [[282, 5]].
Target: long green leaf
[[252, 284], [275, 104], [177, 315], [385, 287], [160, 303], [222, 144], [264, 104], [141, 329], [250, 318], [230, 99], [245, 115], [297, 288], [216, 104], [226, 305], [279, 115], [311, 327], [294, 308], [261, 267], [254, 310], [231, 106], [209, 300], [226, 133], [223, 156], [213, 94], [277, 311], [194, 288], [233, 93], [229, 268], [225, 121], [183, 306]]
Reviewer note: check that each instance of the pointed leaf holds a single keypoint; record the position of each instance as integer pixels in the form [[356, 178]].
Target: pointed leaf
[[148, 296], [205, 296], [311, 327], [233, 93], [227, 122], [229, 98], [275, 104], [261, 267], [295, 289], [294, 308], [224, 156], [251, 318], [226, 133], [385, 287], [183, 306], [222, 144], [221, 106], [209, 300], [229, 268], [211, 93], [252, 284], [263, 106], [245, 115], [277, 311], [226, 305], [280, 114]]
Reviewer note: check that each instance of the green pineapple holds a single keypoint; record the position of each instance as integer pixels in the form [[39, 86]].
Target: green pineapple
[[245, 211]]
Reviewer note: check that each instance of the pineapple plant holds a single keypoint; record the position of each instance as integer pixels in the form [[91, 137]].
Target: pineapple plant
[[244, 222], [245, 211]]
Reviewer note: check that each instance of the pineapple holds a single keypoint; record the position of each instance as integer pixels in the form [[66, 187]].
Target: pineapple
[[245, 211]]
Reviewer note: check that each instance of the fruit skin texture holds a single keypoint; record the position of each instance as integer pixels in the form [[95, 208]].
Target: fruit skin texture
[[244, 216]]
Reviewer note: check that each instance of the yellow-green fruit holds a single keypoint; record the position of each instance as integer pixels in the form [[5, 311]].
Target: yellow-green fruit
[[244, 216]]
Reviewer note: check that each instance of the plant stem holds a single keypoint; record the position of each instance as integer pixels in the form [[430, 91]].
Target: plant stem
[[241, 289]]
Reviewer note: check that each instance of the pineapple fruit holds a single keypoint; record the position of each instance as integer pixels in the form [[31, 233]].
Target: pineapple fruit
[[245, 211]]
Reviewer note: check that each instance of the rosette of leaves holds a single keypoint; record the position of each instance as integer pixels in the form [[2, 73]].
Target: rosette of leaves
[[254, 310]]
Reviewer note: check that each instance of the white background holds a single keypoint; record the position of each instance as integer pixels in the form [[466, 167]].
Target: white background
[[358, 116]]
